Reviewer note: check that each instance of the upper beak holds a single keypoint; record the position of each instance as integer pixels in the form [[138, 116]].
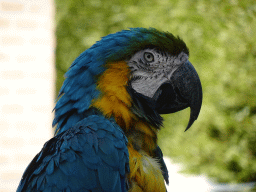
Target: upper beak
[[183, 90]]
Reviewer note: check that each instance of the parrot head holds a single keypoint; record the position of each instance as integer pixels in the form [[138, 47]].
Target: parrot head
[[168, 80], [143, 71]]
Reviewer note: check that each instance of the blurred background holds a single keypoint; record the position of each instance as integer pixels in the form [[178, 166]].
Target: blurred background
[[39, 39]]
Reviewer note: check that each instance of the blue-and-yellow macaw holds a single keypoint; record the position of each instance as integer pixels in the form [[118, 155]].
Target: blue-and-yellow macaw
[[108, 115]]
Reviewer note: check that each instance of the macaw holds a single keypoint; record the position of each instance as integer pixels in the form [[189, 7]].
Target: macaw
[[108, 115]]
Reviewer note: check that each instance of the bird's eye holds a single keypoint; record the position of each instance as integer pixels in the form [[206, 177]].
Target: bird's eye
[[149, 57]]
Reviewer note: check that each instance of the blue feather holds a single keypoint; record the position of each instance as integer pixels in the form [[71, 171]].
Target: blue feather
[[110, 159], [101, 133], [40, 181], [71, 155], [108, 177], [106, 145], [39, 169], [69, 121], [90, 139], [50, 167], [48, 189], [75, 145], [62, 101], [64, 109]]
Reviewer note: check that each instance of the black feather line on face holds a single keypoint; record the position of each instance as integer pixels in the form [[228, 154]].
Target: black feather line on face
[[144, 107]]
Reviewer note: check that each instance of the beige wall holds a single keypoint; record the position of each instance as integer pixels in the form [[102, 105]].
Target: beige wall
[[26, 84]]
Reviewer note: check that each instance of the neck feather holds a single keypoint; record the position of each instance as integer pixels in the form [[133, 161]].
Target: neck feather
[[114, 99]]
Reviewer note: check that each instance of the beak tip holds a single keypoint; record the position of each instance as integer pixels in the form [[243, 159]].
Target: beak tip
[[191, 121], [189, 125]]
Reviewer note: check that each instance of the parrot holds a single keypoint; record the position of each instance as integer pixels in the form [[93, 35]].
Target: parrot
[[108, 114]]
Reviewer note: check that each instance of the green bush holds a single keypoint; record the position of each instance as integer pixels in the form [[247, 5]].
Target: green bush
[[221, 36]]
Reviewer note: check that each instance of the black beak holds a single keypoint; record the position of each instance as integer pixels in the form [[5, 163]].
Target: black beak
[[183, 90]]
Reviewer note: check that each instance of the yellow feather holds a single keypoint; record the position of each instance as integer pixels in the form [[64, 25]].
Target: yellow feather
[[135, 188], [115, 100], [145, 172]]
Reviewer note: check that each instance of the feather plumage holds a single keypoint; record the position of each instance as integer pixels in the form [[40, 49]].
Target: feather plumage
[[80, 159]]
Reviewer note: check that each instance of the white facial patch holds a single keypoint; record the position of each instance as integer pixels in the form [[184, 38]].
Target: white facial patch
[[148, 74]]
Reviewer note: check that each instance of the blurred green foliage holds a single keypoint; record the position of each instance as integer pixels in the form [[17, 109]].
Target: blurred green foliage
[[221, 36]]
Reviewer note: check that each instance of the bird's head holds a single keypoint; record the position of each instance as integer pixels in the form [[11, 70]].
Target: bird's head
[[168, 80], [143, 71]]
